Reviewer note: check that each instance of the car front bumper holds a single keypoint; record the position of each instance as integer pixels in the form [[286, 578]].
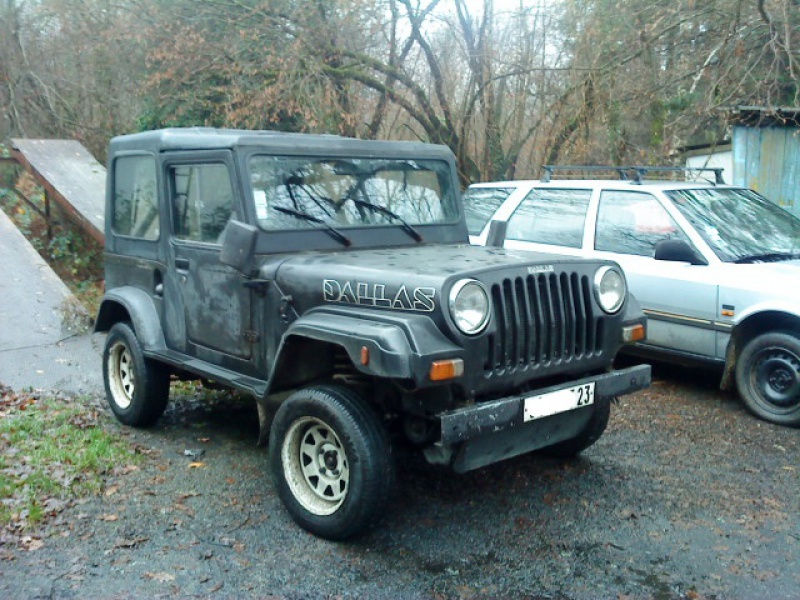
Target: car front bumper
[[492, 431]]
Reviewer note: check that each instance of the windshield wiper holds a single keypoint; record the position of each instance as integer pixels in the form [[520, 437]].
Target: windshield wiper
[[304, 216], [404, 225], [767, 257]]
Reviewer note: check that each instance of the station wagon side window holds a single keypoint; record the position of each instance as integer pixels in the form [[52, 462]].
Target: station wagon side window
[[550, 216], [202, 201], [135, 201], [480, 204], [633, 223]]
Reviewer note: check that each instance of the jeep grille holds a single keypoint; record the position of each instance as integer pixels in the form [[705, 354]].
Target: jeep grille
[[542, 320]]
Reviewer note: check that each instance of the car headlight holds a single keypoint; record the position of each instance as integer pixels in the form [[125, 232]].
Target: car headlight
[[469, 306], [609, 288]]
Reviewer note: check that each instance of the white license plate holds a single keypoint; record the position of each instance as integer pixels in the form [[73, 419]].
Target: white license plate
[[544, 405]]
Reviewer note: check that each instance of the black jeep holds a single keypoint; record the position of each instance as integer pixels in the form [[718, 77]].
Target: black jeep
[[340, 270]]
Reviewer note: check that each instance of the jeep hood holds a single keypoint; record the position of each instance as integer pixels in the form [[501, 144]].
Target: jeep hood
[[407, 278]]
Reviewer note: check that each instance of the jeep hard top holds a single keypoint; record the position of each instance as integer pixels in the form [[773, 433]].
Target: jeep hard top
[[332, 280]]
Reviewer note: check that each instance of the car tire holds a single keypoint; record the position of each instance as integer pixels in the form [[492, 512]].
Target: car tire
[[331, 460], [591, 433], [768, 377], [137, 388]]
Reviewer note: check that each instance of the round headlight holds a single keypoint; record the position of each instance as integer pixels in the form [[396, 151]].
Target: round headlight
[[609, 288], [469, 306]]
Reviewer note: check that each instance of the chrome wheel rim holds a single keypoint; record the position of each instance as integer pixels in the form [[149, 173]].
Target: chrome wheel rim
[[121, 375], [315, 466]]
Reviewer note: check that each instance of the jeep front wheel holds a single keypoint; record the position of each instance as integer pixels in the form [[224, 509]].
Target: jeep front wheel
[[768, 377], [331, 460], [137, 389]]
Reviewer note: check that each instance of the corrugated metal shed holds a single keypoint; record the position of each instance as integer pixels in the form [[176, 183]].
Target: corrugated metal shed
[[766, 153]]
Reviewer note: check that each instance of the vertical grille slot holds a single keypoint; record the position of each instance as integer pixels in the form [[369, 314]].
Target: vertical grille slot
[[542, 319]]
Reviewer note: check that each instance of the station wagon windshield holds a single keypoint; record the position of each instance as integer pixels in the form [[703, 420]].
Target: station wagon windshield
[[739, 224], [291, 192]]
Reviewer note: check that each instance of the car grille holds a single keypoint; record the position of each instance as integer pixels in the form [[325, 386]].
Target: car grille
[[541, 320]]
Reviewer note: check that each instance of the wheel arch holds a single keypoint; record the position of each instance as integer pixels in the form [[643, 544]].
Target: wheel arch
[[136, 307], [385, 346], [752, 325]]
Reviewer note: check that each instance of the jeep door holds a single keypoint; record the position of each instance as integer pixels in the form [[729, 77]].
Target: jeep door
[[214, 313]]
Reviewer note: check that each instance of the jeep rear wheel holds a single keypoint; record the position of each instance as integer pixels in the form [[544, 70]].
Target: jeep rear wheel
[[137, 388], [331, 460], [768, 377]]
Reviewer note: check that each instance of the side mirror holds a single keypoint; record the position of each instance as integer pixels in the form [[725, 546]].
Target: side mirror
[[496, 236], [678, 251], [239, 246]]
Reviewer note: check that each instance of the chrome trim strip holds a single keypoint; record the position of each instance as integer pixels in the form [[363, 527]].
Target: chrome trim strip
[[658, 315]]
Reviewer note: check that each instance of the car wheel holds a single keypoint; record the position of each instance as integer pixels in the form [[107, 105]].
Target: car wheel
[[331, 460], [137, 388], [768, 377], [591, 433]]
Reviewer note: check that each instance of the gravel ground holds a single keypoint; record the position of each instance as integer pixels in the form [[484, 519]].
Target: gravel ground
[[686, 496]]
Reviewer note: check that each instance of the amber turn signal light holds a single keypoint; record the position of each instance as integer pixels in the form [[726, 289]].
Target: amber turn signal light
[[633, 333], [442, 370]]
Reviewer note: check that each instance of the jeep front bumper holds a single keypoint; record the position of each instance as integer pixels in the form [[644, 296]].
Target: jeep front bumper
[[493, 431]]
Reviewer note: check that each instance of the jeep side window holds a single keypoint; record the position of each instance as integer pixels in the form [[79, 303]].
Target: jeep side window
[[135, 204], [632, 223], [550, 216], [480, 204], [202, 201]]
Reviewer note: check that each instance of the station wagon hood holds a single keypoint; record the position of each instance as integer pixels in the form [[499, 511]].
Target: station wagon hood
[[407, 278], [782, 278], [752, 288]]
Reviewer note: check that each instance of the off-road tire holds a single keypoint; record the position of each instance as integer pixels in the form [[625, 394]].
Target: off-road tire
[[331, 461], [137, 388], [768, 377], [591, 433]]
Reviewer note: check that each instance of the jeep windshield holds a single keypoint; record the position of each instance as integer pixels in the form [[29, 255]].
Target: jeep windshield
[[290, 192], [739, 224]]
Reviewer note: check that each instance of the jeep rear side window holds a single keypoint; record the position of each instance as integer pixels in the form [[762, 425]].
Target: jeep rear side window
[[334, 192], [550, 216], [135, 204], [202, 201], [632, 223], [480, 204]]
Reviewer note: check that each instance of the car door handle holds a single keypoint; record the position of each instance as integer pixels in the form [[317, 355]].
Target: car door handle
[[182, 264]]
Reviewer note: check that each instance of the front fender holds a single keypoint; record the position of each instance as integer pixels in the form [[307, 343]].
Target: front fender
[[787, 307], [400, 345], [128, 303]]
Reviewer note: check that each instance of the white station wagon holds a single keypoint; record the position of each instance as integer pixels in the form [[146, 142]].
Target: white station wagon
[[715, 267]]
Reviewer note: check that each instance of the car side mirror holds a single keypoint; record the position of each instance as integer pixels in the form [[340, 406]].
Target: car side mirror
[[678, 251], [239, 246], [496, 236]]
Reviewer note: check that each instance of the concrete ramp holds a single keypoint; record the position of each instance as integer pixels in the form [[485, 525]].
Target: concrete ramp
[[39, 345], [72, 178]]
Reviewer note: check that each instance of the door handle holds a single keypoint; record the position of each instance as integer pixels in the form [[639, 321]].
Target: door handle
[[182, 264]]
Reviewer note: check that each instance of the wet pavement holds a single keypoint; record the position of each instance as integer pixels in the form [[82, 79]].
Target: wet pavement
[[41, 344]]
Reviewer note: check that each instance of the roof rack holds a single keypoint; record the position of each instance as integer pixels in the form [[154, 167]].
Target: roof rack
[[639, 173]]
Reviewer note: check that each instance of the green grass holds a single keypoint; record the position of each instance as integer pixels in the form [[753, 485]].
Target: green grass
[[52, 451]]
